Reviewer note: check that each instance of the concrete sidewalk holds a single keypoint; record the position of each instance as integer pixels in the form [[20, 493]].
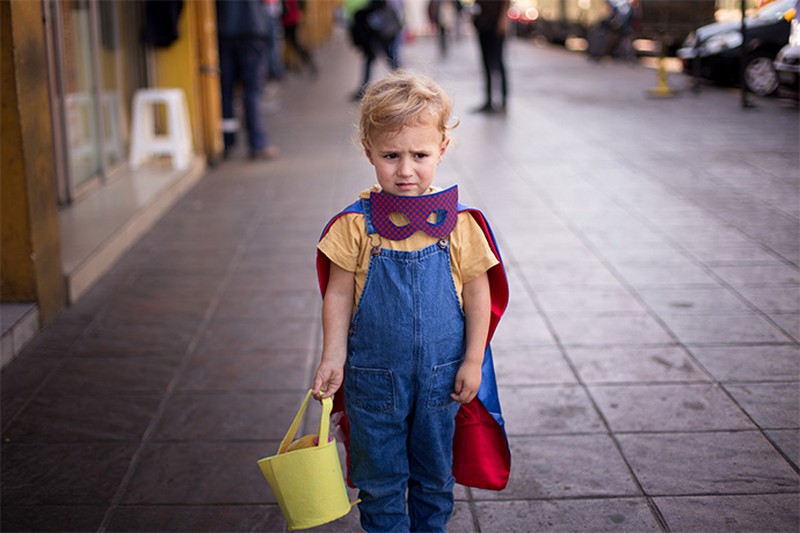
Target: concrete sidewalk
[[649, 361]]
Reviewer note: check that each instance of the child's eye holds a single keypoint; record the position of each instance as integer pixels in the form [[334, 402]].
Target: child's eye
[[390, 156], [420, 155]]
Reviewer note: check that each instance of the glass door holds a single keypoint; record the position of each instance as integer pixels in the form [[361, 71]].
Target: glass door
[[79, 91], [97, 63]]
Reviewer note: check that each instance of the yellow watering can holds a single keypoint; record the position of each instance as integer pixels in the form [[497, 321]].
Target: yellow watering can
[[306, 475]]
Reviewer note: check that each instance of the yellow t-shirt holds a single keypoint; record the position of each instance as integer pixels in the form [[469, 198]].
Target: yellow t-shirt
[[348, 245]]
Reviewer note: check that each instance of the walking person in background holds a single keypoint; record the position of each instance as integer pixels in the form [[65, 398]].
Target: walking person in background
[[407, 343], [375, 27], [292, 17], [242, 28], [491, 22], [437, 20]]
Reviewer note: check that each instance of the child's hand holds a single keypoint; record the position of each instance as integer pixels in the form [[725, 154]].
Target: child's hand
[[468, 381], [327, 380]]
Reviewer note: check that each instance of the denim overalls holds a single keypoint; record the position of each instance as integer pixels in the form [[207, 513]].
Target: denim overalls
[[406, 344]]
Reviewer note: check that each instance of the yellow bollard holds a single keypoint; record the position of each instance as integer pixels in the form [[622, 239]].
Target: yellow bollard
[[662, 90]]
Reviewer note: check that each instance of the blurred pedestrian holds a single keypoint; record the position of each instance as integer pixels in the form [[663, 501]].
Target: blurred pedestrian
[[242, 28], [491, 23], [274, 38], [613, 35], [407, 344], [293, 12], [375, 28], [436, 18]]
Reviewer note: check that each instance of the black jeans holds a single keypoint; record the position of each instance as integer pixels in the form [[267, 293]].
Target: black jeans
[[492, 55]]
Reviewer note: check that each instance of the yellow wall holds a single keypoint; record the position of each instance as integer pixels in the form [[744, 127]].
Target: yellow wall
[[191, 64], [31, 255]]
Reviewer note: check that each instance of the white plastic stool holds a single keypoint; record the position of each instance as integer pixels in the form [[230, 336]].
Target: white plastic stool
[[177, 142]]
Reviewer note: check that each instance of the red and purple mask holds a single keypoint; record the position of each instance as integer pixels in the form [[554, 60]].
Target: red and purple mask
[[418, 209]]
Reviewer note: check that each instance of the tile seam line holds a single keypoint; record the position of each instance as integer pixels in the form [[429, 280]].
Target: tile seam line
[[168, 393]]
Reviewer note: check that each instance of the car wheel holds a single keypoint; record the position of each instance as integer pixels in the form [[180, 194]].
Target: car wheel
[[760, 76]]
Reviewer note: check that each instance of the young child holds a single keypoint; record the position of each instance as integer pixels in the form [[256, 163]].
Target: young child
[[413, 288]]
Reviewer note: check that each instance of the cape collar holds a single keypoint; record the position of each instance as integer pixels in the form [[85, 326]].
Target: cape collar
[[418, 209]]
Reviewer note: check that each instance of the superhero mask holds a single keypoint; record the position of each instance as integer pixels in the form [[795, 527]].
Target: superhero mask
[[418, 209]]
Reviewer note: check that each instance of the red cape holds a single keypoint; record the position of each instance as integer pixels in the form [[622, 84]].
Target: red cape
[[481, 457]]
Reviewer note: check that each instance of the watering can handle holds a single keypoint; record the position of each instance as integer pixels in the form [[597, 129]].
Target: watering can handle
[[324, 423]]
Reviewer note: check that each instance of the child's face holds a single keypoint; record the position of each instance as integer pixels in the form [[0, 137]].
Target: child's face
[[405, 161]]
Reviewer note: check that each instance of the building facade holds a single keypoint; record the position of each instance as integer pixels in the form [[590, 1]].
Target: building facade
[[70, 203]]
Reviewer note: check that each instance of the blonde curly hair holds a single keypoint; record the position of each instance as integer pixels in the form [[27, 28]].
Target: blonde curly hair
[[401, 99]]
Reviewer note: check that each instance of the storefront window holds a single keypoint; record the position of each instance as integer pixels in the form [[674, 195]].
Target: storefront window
[[99, 63]]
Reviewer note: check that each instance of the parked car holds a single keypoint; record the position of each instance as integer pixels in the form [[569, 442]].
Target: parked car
[[787, 63], [713, 52]]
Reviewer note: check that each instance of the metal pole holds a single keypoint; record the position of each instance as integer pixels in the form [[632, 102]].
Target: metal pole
[[743, 60]]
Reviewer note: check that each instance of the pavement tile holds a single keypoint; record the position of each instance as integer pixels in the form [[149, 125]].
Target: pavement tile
[[771, 405], [668, 407], [522, 330], [668, 363], [723, 329], [760, 513], [531, 366], [185, 311], [246, 371], [605, 330], [254, 302], [584, 515], [200, 473], [112, 376], [276, 277], [771, 362], [63, 419], [773, 299], [707, 463], [789, 322], [58, 336], [63, 473], [692, 301], [227, 416], [572, 466], [548, 410], [589, 301], [522, 249], [573, 274], [120, 338], [165, 286], [26, 375], [676, 275], [52, 518], [269, 333], [155, 260], [725, 253], [211, 518], [788, 441], [775, 274], [641, 254]]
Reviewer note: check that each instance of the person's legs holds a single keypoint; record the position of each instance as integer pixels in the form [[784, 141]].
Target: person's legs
[[369, 58], [274, 62], [227, 63], [290, 33], [485, 41], [500, 67], [430, 488], [253, 56], [378, 457], [392, 50]]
